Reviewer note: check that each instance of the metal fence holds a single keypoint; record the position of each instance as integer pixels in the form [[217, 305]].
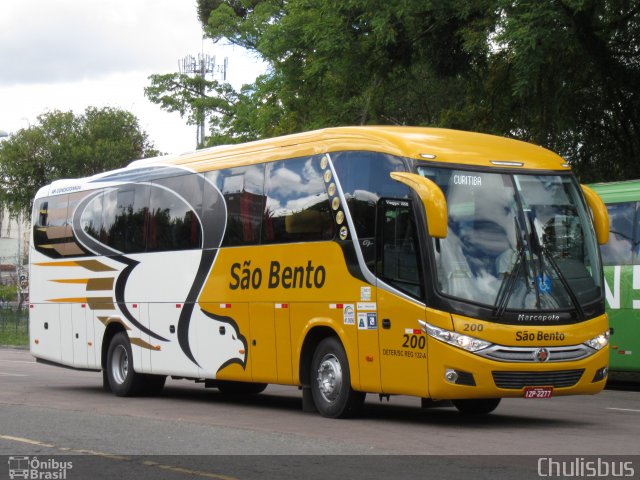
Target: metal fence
[[14, 326]]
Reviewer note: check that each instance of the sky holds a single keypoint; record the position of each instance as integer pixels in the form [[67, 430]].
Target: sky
[[72, 54]]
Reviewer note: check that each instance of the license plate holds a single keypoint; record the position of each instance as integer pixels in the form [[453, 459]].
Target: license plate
[[538, 392]]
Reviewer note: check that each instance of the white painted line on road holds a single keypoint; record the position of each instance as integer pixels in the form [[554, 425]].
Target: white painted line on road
[[26, 440], [21, 361], [42, 444], [623, 409], [171, 468], [97, 454], [187, 471], [13, 374]]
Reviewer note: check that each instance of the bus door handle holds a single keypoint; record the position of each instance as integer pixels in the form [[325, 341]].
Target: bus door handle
[[386, 323]]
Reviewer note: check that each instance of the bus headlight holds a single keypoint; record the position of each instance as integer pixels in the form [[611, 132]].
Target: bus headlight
[[599, 342], [464, 342]]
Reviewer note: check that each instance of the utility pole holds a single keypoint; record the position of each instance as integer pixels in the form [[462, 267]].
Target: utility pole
[[202, 66]]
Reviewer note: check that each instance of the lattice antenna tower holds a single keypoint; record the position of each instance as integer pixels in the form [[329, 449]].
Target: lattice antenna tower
[[203, 66]]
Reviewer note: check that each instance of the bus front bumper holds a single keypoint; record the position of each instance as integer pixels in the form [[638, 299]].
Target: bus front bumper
[[457, 374]]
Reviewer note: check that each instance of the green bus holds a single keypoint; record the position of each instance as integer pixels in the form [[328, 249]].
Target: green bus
[[621, 260]]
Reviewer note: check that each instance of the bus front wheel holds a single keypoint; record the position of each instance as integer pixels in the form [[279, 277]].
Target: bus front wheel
[[476, 406], [331, 381]]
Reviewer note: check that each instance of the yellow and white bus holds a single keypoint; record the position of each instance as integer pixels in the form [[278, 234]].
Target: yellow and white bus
[[394, 260]]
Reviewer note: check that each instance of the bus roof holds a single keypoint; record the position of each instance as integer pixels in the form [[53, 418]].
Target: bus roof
[[446, 146], [615, 192], [429, 144]]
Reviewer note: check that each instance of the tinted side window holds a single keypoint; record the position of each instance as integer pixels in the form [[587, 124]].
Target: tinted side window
[[243, 191], [297, 207], [74, 248], [91, 219], [124, 218], [399, 260], [619, 249], [40, 220], [173, 222], [51, 231], [364, 177]]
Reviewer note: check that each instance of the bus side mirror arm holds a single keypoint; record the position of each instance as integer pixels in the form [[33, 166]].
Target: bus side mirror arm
[[435, 204], [600, 214]]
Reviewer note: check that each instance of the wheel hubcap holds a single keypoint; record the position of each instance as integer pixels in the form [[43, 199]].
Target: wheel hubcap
[[329, 378], [120, 364]]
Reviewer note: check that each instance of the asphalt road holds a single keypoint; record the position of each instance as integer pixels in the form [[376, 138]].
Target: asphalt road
[[193, 432]]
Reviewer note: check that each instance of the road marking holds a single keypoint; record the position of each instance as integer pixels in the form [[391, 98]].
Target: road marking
[[623, 409], [21, 361], [27, 440], [111, 456], [13, 374], [187, 471]]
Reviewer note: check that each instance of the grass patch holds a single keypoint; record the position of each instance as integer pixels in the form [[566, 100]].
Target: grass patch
[[14, 328]]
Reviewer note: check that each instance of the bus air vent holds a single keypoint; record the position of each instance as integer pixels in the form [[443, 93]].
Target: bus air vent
[[556, 379]]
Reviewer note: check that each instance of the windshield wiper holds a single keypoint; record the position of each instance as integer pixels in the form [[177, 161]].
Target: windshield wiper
[[538, 274], [509, 282], [564, 282], [543, 253]]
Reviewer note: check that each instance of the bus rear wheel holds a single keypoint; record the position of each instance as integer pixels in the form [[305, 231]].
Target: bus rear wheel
[[476, 406], [331, 381], [123, 379]]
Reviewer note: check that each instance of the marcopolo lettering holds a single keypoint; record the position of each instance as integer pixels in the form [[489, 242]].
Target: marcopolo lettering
[[538, 318], [299, 276]]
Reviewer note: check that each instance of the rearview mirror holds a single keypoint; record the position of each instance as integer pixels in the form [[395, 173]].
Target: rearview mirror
[[600, 214], [435, 205]]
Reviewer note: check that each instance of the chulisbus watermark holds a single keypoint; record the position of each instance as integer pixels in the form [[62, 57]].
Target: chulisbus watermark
[[582, 467]]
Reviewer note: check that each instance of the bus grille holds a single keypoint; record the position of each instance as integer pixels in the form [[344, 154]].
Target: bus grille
[[528, 354], [557, 379]]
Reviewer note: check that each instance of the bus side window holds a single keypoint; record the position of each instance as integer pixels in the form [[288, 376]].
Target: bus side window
[[398, 260], [364, 177], [297, 207], [619, 249], [173, 223], [41, 214], [124, 218], [91, 220], [52, 231], [243, 192]]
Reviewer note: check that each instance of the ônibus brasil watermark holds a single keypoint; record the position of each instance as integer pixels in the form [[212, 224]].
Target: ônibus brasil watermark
[[32, 468]]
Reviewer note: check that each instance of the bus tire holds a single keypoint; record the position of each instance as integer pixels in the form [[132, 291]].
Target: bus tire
[[331, 381], [228, 387], [476, 406], [123, 379]]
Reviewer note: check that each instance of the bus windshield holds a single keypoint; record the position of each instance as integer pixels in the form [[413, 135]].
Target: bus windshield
[[516, 241]]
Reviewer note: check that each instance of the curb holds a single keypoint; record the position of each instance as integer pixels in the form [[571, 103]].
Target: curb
[[15, 347]]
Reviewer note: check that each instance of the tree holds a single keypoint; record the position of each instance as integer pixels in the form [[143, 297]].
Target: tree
[[193, 97], [562, 73], [63, 145], [574, 72], [349, 61]]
